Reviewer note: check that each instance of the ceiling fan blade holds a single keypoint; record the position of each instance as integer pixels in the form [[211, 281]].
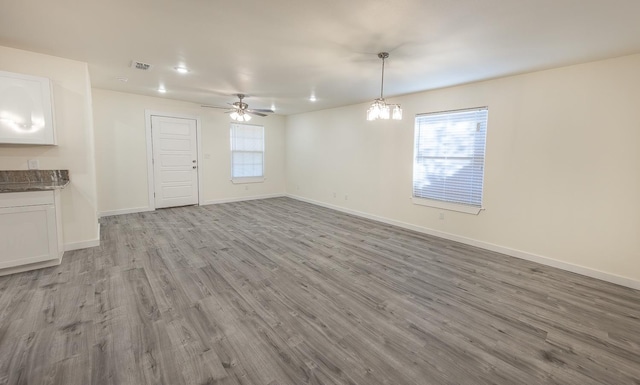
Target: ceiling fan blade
[[209, 106], [253, 112], [269, 111]]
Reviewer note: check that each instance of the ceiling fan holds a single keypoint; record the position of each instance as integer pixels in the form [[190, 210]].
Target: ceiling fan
[[240, 110]]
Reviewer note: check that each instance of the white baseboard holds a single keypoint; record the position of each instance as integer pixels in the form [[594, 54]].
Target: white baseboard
[[249, 198], [83, 244], [124, 211], [33, 266], [586, 271]]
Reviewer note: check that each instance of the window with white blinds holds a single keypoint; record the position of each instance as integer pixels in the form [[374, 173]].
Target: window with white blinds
[[448, 163], [247, 153]]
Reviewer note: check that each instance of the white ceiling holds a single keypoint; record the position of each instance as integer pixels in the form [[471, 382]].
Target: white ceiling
[[282, 51]]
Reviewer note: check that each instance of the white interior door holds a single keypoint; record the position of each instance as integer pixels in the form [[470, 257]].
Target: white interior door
[[175, 155]]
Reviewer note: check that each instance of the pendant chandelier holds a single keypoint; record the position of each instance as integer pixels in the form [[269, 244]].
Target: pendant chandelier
[[379, 108]]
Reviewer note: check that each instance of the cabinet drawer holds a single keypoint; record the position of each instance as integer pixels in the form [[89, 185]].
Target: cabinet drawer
[[29, 198]]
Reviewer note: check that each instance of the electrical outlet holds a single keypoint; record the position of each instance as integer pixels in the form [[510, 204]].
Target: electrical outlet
[[34, 164], [334, 195], [441, 216], [346, 197], [246, 188]]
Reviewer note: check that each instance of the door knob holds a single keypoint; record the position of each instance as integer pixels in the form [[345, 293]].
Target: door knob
[[193, 161], [194, 167]]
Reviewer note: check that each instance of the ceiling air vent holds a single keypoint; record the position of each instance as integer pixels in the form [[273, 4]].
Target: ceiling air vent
[[140, 65]]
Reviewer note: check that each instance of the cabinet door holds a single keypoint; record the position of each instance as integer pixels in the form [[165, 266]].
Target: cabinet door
[[26, 111], [27, 235]]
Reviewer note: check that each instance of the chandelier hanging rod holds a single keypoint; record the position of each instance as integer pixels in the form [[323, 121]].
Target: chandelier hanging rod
[[382, 55]]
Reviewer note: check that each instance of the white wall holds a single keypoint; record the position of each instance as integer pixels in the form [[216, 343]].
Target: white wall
[[121, 156], [562, 179], [75, 149]]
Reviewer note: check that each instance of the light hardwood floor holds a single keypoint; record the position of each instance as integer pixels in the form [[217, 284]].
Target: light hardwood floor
[[277, 292]]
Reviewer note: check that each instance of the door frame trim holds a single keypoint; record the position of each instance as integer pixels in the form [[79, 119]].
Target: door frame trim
[[150, 177]]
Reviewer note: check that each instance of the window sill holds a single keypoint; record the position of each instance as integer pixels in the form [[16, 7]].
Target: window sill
[[247, 180], [447, 206]]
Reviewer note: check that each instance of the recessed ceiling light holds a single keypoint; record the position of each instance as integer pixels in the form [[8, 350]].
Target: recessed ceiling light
[[273, 107], [312, 98], [182, 69], [162, 90]]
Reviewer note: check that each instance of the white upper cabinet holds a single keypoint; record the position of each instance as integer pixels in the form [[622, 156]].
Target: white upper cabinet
[[26, 109]]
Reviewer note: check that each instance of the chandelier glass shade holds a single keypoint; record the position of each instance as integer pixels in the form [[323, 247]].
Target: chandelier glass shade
[[379, 109]]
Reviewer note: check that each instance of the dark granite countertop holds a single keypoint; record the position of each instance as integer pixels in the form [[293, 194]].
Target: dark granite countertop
[[33, 180], [32, 186]]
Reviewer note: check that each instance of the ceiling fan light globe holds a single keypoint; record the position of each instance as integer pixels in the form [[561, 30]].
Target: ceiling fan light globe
[[242, 117], [234, 115]]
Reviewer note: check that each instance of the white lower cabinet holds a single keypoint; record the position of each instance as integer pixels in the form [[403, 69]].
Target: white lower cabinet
[[30, 228]]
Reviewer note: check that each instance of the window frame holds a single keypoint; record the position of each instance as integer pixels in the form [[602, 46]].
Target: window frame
[[249, 179], [443, 204]]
